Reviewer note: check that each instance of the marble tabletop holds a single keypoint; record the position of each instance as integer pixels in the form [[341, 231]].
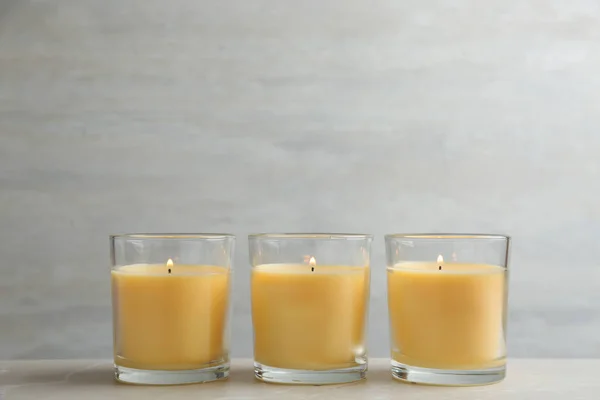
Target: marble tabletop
[[92, 379]]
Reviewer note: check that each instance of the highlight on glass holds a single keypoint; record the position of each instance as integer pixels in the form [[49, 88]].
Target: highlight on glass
[[170, 300], [447, 300], [310, 295]]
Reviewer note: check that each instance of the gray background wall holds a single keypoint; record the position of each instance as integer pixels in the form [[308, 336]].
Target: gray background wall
[[269, 115]]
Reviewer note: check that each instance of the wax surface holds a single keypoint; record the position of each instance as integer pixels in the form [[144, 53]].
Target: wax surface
[[170, 321], [309, 320], [448, 319]]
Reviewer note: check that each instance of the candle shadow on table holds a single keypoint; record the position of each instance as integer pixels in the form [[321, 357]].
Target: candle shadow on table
[[101, 375], [379, 376], [244, 374], [89, 376]]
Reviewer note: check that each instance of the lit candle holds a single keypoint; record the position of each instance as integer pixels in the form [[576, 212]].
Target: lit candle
[[170, 299], [447, 315], [310, 294], [309, 318], [169, 316]]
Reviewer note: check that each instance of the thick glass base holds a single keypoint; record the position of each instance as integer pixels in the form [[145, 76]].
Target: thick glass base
[[159, 377], [306, 377], [447, 377]]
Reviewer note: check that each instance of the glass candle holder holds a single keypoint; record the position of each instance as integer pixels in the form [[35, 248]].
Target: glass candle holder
[[310, 295], [447, 299], [170, 299]]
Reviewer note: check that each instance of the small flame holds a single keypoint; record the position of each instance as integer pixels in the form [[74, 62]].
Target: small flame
[[312, 262], [440, 259], [170, 263]]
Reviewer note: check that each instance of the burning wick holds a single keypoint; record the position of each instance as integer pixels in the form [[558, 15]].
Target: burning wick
[[440, 260], [170, 264], [312, 264]]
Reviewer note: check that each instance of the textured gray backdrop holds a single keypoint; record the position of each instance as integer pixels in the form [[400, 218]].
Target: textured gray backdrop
[[276, 115]]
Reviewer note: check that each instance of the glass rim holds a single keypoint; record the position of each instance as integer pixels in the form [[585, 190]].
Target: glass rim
[[442, 236], [173, 236], [311, 235]]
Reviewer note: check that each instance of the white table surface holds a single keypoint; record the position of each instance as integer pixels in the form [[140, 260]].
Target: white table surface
[[541, 379]]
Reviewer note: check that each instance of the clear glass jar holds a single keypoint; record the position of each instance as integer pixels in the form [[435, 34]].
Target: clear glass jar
[[170, 299], [447, 300], [310, 295]]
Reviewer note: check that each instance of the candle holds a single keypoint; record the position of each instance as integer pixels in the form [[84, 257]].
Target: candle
[[170, 298], [309, 317], [169, 317], [447, 319], [310, 294], [447, 315]]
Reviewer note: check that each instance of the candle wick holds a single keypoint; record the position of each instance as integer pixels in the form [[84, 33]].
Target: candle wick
[[440, 268], [169, 270], [312, 269]]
